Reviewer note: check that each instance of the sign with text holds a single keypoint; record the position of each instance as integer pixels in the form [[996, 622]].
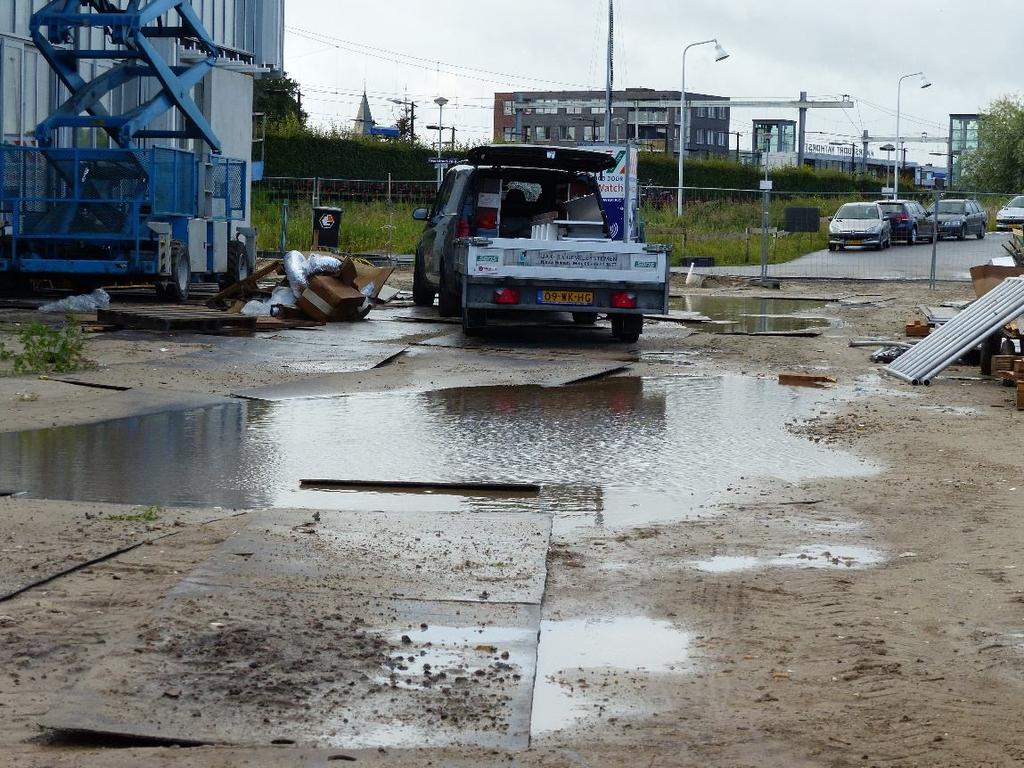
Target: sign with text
[[618, 185]]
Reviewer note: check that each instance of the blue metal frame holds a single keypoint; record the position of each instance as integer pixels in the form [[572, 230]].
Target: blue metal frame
[[131, 28]]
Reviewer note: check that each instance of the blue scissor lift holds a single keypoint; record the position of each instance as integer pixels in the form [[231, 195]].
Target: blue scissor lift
[[124, 213]]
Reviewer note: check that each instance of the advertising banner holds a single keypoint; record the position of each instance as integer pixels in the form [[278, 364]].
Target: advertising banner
[[618, 186]]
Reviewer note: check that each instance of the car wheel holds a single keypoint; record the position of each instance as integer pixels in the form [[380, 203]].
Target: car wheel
[[962, 234], [448, 302], [981, 232], [627, 328], [422, 294], [831, 247], [912, 237]]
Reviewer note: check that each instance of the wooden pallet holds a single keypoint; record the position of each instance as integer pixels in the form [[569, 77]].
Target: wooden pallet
[[174, 317]]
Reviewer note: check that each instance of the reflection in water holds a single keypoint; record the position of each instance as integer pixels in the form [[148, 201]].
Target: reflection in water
[[617, 452], [753, 315], [569, 648]]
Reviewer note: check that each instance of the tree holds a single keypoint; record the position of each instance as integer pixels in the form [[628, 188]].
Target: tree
[[404, 126], [997, 165], [279, 98]]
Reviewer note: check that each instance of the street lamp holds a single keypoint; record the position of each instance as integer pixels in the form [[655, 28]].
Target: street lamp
[[925, 83], [887, 148], [440, 101], [617, 122], [720, 55]]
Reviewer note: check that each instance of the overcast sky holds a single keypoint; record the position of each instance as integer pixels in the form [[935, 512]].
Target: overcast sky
[[466, 50]]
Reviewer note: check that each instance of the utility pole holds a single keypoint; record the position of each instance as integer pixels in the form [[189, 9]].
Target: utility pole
[[737, 134], [610, 81], [864, 159], [803, 132]]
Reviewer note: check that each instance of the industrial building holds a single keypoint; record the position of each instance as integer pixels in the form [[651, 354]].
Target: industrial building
[[644, 116]]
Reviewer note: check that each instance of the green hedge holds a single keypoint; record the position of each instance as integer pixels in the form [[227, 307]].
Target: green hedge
[[304, 154], [662, 171]]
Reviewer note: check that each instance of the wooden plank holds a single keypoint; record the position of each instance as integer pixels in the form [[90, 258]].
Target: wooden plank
[[917, 330], [199, 319], [250, 283], [1020, 395], [1003, 363], [805, 380]]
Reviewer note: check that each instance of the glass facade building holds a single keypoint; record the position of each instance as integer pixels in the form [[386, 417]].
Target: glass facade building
[[963, 138]]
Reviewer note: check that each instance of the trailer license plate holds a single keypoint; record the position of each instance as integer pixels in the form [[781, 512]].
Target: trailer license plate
[[565, 297]]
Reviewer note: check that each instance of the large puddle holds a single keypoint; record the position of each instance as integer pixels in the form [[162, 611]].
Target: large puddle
[[618, 452], [754, 315]]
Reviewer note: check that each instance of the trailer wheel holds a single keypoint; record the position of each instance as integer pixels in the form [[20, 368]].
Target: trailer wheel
[[422, 294], [176, 289], [473, 321], [448, 301], [627, 328], [238, 264]]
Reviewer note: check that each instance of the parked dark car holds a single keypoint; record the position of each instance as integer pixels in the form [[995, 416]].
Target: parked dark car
[[859, 225], [960, 218], [910, 222]]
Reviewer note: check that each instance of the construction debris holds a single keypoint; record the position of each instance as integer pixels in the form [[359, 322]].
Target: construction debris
[[983, 319], [918, 330], [805, 380], [90, 302]]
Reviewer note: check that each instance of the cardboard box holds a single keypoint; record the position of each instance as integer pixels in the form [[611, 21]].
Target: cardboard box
[[329, 298]]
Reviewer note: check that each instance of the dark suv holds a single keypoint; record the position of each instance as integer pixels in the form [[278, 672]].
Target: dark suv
[[910, 222], [960, 218]]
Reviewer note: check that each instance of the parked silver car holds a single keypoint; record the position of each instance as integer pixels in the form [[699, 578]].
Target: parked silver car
[[960, 218], [1011, 215], [860, 224]]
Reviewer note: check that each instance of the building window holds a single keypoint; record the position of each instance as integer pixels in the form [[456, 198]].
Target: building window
[[588, 133], [722, 139], [574, 110], [542, 133], [509, 134], [701, 136], [597, 110], [702, 111], [510, 107], [600, 133], [527, 133], [570, 133]]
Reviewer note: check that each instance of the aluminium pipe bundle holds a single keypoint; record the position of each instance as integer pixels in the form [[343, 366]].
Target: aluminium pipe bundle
[[954, 339]]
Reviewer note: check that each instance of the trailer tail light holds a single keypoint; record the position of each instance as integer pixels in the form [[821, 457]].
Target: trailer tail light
[[462, 228], [623, 300], [506, 296], [487, 218]]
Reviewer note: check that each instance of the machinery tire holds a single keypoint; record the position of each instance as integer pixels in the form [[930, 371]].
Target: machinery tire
[[627, 328], [422, 294], [448, 301], [176, 289], [584, 318], [474, 321], [238, 263]]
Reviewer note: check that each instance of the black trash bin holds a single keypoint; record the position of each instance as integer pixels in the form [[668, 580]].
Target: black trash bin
[[326, 227]]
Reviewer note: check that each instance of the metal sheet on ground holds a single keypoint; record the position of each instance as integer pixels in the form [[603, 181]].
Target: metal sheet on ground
[[42, 539], [295, 632]]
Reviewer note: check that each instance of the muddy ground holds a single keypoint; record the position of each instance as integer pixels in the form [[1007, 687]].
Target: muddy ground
[[873, 619]]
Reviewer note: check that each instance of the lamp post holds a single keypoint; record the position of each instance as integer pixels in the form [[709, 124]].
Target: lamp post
[[925, 83], [440, 101], [720, 55], [888, 149]]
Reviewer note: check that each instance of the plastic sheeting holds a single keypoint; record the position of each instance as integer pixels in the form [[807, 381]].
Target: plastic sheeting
[[299, 268], [89, 302], [257, 308]]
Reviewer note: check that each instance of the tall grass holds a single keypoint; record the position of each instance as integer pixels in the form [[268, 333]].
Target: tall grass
[[376, 227], [724, 230]]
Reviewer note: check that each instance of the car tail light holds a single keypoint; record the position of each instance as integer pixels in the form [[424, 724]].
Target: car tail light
[[623, 300], [487, 218], [462, 229], [902, 217], [506, 296]]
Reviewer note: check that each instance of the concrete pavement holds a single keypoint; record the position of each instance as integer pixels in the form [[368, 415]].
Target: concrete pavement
[[901, 262]]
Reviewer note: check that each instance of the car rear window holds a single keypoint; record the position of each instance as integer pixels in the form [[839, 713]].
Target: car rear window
[[951, 207], [892, 207]]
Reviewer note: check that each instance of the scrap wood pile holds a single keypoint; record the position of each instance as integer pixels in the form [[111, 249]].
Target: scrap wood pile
[[316, 288], [1014, 247]]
